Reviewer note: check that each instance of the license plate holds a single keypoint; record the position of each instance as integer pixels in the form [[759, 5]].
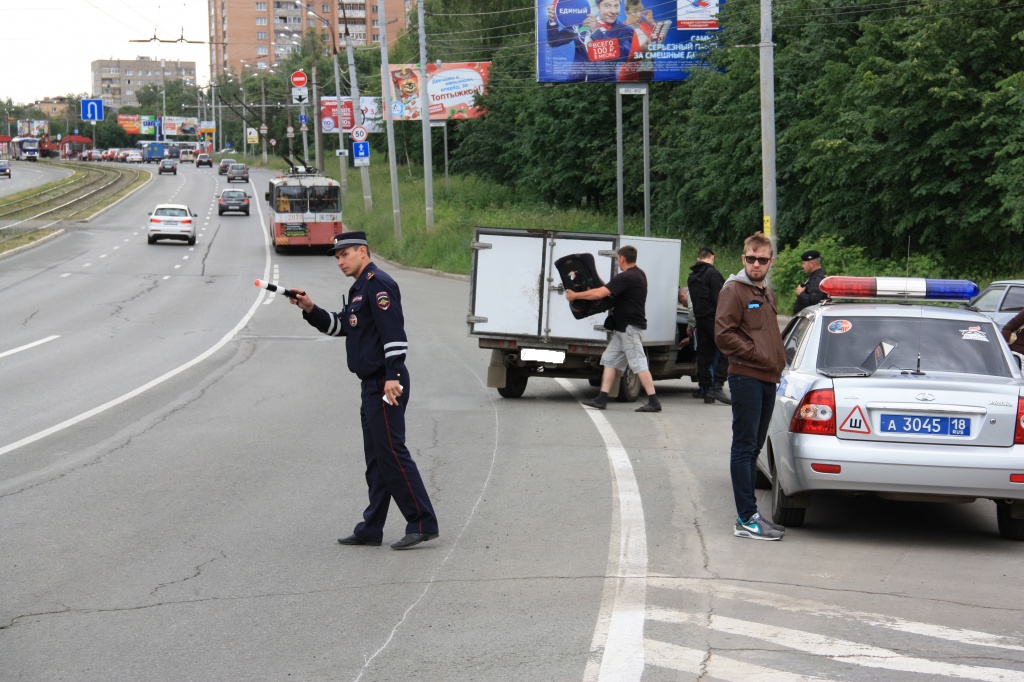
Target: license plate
[[170, 222], [933, 426]]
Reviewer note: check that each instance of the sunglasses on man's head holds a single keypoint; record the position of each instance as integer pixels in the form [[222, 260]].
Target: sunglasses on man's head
[[760, 260]]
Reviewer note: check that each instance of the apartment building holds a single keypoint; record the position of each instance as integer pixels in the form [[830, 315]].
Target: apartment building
[[256, 34], [117, 81]]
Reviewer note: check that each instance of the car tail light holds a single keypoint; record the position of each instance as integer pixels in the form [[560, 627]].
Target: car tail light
[[1018, 432], [816, 414], [154, 220], [1016, 478], [186, 221], [826, 468]]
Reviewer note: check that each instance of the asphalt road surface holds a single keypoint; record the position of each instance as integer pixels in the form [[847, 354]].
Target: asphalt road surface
[[28, 174], [179, 452]]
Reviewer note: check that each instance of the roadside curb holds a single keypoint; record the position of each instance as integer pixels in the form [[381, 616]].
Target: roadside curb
[[425, 271]]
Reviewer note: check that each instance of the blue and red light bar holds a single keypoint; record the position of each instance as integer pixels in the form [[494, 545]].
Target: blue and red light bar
[[900, 288]]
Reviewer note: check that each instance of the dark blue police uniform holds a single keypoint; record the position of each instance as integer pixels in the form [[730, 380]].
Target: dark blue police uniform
[[374, 329]]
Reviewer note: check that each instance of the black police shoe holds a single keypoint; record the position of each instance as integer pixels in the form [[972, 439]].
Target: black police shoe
[[356, 540], [412, 539]]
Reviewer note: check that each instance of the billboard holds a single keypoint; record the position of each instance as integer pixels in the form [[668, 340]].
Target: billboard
[[134, 124], [622, 41], [450, 93], [31, 128], [178, 125], [372, 117]]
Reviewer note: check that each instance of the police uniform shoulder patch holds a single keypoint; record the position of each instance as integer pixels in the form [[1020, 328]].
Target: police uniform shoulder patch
[[383, 300], [369, 275]]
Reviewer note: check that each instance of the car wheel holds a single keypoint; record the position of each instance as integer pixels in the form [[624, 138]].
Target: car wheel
[[515, 384], [782, 510], [246, 213], [220, 212], [629, 387], [1009, 527], [151, 239], [192, 241]]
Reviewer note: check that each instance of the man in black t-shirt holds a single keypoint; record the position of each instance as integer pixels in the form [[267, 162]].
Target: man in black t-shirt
[[628, 291]]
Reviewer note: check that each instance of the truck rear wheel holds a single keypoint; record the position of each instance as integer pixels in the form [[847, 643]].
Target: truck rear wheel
[[629, 387], [515, 384]]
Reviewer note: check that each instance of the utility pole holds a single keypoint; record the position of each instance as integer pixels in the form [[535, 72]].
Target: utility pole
[[428, 161], [342, 160], [317, 140], [357, 106], [263, 114], [388, 122], [768, 189]]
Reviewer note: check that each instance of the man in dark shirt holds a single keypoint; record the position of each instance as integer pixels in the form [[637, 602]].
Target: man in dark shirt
[[705, 283], [374, 329], [809, 293], [628, 289]]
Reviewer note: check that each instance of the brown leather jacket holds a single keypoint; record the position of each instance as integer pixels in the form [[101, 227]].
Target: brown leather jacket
[[747, 330], [1013, 325]]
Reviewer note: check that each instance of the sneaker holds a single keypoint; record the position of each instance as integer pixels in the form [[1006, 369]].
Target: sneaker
[[718, 394], [755, 528], [594, 403], [770, 524]]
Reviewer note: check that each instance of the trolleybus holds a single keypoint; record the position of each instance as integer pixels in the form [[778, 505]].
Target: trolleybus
[[305, 209]]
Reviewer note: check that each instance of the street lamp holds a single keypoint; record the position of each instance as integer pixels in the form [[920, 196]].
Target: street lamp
[[8, 112]]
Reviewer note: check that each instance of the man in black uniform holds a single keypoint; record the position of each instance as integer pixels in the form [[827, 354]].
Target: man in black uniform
[[705, 283], [628, 289], [375, 342], [808, 293]]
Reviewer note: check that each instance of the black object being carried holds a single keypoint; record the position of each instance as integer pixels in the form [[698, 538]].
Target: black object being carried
[[579, 273]]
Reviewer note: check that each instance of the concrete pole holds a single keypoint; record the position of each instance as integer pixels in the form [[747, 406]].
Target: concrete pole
[[263, 114], [317, 138], [389, 124], [428, 161], [768, 189], [357, 107]]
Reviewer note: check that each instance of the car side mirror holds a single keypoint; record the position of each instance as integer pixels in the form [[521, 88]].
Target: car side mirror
[[195, 215], [266, 196]]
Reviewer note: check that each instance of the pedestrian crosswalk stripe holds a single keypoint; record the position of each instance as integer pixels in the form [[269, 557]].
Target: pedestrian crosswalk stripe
[[715, 666]]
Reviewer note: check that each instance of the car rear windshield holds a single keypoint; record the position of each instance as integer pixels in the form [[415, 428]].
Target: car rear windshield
[[944, 345], [175, 212], [238, 167], [233, 195]]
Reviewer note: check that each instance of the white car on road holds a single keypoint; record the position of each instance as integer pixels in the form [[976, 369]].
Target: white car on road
[[172, 221]]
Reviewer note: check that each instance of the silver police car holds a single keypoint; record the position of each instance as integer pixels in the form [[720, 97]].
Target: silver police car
[[903, 400]]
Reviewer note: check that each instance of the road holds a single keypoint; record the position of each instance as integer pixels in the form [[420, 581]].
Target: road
[[28, 174], [179, 452]]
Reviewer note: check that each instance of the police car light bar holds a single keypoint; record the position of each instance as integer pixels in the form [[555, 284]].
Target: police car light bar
[[900, 288]]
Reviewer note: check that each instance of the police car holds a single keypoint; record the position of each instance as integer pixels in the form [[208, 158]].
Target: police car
[[899, 399]]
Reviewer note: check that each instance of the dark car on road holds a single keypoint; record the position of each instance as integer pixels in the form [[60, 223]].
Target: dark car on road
[[222, 169], [233, 200], [167, 166], [238, 171], [5, 168]]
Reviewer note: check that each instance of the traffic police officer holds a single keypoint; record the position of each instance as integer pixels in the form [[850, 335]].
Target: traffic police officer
[[375, 342]]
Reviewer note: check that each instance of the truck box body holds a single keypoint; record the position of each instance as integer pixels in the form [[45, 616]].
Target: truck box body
[[518, 307], [153, 153]]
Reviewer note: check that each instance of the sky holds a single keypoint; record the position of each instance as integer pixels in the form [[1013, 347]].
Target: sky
[[52, 56]]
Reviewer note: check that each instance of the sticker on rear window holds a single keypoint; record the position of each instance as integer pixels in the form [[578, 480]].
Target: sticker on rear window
[[840, 326], [973, 334]]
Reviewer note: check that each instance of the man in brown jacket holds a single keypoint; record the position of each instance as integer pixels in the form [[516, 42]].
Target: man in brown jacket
[[747, 332]]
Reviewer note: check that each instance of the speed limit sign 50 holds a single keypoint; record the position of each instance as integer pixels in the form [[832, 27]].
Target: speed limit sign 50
[[359, 134]]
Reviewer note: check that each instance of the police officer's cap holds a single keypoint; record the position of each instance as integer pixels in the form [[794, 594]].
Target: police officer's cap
[[810, 255], [346, 239]]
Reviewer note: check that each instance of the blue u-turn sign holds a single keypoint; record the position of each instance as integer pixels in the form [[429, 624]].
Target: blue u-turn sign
[[92, 110]]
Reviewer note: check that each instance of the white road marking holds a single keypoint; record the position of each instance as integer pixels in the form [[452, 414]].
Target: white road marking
[[29, 345], [66, 274], [167, 276], [715, 666], [841, 650], [619, 634], [177, 266], [781, 602], [159, 380]]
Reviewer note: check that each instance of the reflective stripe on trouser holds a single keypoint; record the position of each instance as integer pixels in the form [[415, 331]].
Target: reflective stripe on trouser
[[626, 349], [390, 469]]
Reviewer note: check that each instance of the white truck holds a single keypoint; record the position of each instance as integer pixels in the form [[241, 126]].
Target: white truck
[[518, 310]]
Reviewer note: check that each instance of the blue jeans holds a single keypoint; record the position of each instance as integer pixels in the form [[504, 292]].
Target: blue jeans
[[753, 401]]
